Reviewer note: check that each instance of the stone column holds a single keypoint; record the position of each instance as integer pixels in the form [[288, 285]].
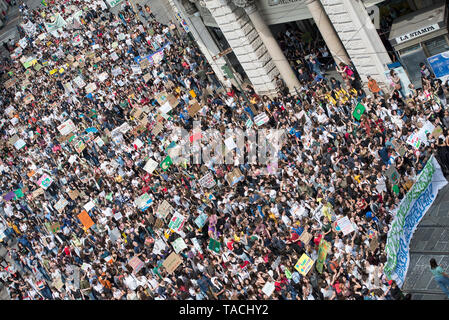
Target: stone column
[[359, 37], [271, 44], [328, 32], [202, 36]]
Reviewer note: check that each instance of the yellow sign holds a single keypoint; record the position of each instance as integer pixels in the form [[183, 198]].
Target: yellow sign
[[192, 93], [53, 71], [304, 264]]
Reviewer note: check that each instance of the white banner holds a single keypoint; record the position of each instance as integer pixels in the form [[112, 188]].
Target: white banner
[[407, 217]]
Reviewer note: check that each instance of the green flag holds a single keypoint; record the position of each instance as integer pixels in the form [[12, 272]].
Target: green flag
[[214, 245], [358, 111], [166, 163], [288, 274]]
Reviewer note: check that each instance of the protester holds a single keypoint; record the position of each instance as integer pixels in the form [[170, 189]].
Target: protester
[[84, 205]]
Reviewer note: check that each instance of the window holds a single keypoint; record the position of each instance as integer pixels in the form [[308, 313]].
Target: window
[[437, 45]]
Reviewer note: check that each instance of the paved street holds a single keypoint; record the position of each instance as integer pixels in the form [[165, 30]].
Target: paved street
[[431, 240]]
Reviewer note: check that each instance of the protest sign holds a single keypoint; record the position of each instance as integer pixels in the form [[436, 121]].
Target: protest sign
[[85, 219], [179, 245], [37, 193], [261, 119], [136, 264], [200, 221], [207, 181], [268, 288], [193, 108], [45, 181], [73, 194], [304, 264], [19, 144], [150, 166], [147, 77], [79, 82], [143, 202], [358, 111], [230, 144], [393, 174], [172, 262], [166, 163], [66, 127], [89, 205], [164, 209], [177, 222], [345, 225], [61, 204], [91, 87], [323, 249], [305, 237], [10, 82], [234, 176], [214, 245]]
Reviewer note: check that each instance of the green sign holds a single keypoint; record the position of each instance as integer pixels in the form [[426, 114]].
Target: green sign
[[166, 163], [358, 111], [214, 245]]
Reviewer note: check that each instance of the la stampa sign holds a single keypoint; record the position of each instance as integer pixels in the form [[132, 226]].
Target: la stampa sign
[[417, 33]]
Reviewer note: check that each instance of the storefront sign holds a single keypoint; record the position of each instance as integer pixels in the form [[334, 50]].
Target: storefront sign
[[417, 33]]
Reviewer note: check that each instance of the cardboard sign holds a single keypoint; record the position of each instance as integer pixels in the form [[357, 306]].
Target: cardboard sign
[[144, 64], [85, 219], [28, 98], [73, 194], [234, 176], [164, 209], [37, 193], [157, 128], [11, 82], [158, 224], [304, 264], [373, 244], [305, 237], [172, 262], [193, 108], [172, 100]]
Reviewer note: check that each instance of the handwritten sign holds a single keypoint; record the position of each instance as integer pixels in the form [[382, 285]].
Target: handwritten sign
[[85, 219], [304, 264], [172, 262]]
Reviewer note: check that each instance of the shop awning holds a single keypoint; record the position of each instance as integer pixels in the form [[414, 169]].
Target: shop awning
[[419, 26]]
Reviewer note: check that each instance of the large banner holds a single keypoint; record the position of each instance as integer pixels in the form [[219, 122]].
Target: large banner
[[407, 217], [55, 25]]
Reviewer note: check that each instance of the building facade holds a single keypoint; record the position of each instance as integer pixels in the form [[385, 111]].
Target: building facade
[[244, 27]]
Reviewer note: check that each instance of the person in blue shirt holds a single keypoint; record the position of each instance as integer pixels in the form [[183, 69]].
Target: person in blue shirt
[[441, 277]]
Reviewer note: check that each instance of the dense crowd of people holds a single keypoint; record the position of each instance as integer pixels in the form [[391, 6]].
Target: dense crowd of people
[[330, 166]]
